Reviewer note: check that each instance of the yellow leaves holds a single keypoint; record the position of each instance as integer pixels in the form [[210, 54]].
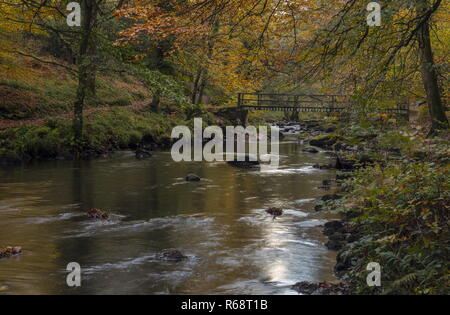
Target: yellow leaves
[[160, 23]]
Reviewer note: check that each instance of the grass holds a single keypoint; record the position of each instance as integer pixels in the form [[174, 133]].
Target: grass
[[116, 128], [44, 90]]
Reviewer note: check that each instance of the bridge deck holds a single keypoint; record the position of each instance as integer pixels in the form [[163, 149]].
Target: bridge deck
[[305, 103]]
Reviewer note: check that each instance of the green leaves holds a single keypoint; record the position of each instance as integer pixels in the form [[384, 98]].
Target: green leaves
[[405, 218], [166, 86]]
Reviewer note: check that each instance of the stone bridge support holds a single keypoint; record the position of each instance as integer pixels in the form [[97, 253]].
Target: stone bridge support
[[242, 116]]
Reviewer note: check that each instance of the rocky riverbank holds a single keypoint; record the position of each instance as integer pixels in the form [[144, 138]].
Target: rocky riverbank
[[393, 196]]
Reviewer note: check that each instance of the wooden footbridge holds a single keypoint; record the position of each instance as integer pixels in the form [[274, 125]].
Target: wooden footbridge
[[318, 103], [305, 103]]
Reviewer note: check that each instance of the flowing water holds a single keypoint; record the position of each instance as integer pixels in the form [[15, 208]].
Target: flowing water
[[233, 246]]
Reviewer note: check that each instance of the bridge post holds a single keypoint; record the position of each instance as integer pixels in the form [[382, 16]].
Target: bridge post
[[243, 117]]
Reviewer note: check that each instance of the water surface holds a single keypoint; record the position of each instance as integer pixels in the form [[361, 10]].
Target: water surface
[[233, 246]]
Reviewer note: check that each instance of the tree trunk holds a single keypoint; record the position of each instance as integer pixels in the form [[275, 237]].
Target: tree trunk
[[89, 12], [156, 100], [429, 77], [92, 71], [202, 88], [195, 87], [202, 76]]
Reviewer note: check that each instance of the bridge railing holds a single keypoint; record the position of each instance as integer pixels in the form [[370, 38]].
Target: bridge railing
[[291, 100], [309, 103]]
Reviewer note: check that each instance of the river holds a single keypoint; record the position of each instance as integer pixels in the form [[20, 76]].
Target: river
[[233, 246]]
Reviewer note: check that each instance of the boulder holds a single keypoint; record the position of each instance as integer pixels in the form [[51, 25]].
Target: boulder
[[172, 255], [323, 141], [310, 150], [275, 211], [326, 182], [321, 288], [318, 207], [192, 178], [350, 238], [333, 227], [335, 224], [10, 251], [243, 164], [335, 245], [323, 166], [95, 213], [345, 164], [351, 214], [143, 154], [337, 237], [330, 197]]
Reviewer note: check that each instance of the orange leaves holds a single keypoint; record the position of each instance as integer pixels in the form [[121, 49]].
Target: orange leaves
[[159, 23]]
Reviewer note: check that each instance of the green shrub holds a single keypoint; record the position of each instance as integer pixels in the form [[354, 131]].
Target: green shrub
[[405, 224]]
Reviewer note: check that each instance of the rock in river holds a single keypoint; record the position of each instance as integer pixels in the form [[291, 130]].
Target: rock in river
[[10, 251], [95, 213], [323, 141], [335, 245], [333, 227], [310, 150], [243, 164], [321, 288], [330, 197], [276, 212], [192, 178], [143, 154], [172, 255]]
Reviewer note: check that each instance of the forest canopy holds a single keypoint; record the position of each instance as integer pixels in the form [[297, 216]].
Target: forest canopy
[[206, 51]]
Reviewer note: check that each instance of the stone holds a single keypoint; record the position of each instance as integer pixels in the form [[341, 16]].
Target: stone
[[326, 182], [333, 227], [337, 237], [330, 197], [310, 150], [318, 207], [243, 164], [275, 211], [323, 141], [335, 224], [322, 288], [143, 154], [335, 245], [192, 178], [173, 255], [95, 213], [10, 251]]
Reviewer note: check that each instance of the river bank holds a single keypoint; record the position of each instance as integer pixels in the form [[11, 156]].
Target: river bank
[[105, 131], [393, 200]]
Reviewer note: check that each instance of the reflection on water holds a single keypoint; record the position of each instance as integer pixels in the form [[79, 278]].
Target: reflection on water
[[219, 223]]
